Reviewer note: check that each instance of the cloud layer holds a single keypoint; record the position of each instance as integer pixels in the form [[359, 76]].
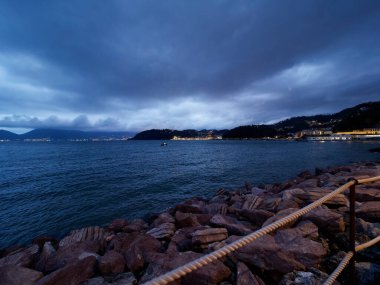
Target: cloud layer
[[133, 65]]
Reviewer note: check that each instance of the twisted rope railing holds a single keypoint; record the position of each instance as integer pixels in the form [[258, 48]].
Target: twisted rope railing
[[208, 258], [347, 259]]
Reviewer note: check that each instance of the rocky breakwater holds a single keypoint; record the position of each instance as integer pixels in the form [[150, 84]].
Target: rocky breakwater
[[132, 252]]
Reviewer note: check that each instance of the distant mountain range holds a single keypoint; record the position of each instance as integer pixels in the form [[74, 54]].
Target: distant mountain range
[[56, 134], [366, 115]]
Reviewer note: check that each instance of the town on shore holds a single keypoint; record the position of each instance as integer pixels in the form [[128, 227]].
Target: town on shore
[[135, 251], [361, 122]]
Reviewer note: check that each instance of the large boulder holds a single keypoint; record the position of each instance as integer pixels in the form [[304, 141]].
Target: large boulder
[[367, 273], [369, 211], [210, 274], [252, 202], [363, 194], [84, 234], [118, 225], [162, 219], [162, 231], [17, 275], [182, 239], [141, 245], [281, 214], [232, 225], [72, 274], [327, 220], [314, 194], [255, 216], [202, 238], [186, 220], [246, 277], [71, 253], [281, 253], [48, 253], [311, 277], [111, 263], [20, 257]]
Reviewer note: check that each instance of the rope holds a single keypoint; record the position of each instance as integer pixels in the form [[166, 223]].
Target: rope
[[339, 269], [347, 258], [367, 244], [208, 258]]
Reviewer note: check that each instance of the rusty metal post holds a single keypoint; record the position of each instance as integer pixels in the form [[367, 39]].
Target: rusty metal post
[[352, 274]]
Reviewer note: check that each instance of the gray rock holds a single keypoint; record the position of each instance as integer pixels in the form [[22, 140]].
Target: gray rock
[[21, 257], [17, 275], [311, 277], [367, 273]]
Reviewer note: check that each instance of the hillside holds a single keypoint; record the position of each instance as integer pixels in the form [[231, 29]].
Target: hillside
[[55, 134], [6, 135], [366, 115], [167, 134]]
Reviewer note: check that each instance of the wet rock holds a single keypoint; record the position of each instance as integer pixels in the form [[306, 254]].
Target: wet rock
[[17, 275], [252, 202], [163, 219], [326, 220], [48, 253], [367, 273], [85, 234], [305, 175], [21, 257], [280, 253], [369, 229], [136, 225], [367, 194], [118, 225], [256, 216], [141, 245], [217, 208], [245, 276], [232, 225], [304, 229], [369, 211], [279, 216], [270, 204], [40, 241], [71, 253], [291, 194], [182, 239], [112, 262], [202, 238], [124, 279], [96, 281], [309, 183], [220, 199], [194, 206], [311, 277], [186, 220], [72, 274], [163, 231], [287, 204], [312, 195], [210, 274]]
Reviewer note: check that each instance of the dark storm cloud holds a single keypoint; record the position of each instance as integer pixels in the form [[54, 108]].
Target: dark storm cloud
[[181, 64]]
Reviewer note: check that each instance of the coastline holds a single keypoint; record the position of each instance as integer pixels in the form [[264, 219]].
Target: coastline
[[127, 252]]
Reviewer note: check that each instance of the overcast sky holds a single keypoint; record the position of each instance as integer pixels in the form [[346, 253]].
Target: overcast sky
[[135, 65]]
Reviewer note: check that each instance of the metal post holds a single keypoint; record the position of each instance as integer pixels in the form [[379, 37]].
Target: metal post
[[352, 274]]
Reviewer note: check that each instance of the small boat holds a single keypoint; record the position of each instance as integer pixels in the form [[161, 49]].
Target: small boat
[[164, 144]]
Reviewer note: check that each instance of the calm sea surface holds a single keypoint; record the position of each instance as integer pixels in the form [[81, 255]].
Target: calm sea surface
[[52, 187]]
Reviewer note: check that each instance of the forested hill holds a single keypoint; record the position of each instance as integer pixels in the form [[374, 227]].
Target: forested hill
[[366, 115]]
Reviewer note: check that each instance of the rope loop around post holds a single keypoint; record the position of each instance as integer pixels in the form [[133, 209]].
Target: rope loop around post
[[353, 179]]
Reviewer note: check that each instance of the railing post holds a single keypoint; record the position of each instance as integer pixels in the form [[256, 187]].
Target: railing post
[[352, 274]]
